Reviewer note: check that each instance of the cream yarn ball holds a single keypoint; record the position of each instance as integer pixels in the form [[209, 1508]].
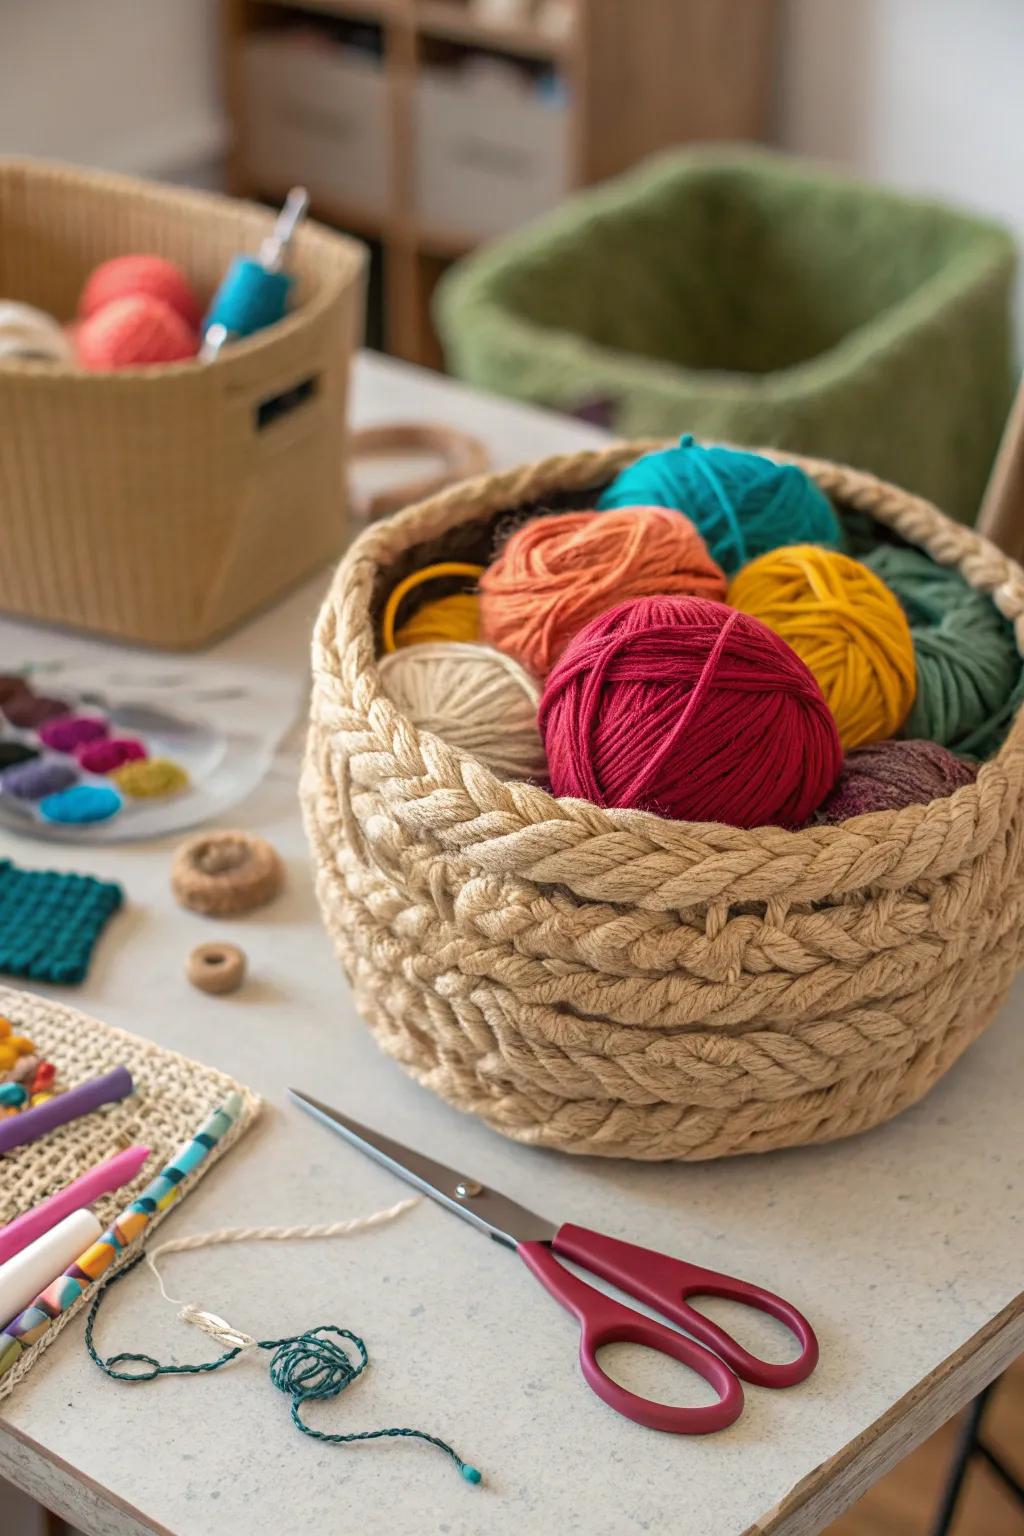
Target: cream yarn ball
[[474, 698], [26, 332]]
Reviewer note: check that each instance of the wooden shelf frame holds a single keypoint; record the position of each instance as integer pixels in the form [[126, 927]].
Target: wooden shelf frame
[[640, 75]]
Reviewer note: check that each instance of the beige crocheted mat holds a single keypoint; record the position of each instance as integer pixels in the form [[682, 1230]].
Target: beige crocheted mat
[[173, 1096]]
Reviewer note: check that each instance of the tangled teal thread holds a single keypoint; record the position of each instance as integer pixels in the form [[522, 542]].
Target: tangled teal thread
[[306, 1367]]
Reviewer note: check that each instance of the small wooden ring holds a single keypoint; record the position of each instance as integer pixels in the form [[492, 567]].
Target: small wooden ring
[[462, 456], [224, 873], [216, 968]]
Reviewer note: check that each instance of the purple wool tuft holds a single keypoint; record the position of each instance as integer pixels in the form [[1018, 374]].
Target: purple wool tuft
[[34, 780], [892, 774]]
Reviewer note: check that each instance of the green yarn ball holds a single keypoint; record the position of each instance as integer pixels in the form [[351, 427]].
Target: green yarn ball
[[742, 503], [970, 676]]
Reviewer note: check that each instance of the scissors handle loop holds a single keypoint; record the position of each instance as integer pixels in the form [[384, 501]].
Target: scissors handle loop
[[603, 1320], [666, 1284]]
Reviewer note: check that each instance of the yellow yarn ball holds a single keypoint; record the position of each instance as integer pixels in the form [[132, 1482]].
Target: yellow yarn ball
[[453, 617], [447, 618], [846, 625]]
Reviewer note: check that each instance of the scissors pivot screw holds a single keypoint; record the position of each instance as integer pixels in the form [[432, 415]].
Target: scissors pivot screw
[[465, 1189]]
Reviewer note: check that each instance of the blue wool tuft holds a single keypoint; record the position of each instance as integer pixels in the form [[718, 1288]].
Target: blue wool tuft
[[742, 503]]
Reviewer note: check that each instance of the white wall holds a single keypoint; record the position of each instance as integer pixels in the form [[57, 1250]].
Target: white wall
[[927, 95], [129, 85]]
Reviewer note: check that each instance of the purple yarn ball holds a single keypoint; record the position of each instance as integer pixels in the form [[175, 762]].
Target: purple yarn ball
[[34, 780], [892, 774]]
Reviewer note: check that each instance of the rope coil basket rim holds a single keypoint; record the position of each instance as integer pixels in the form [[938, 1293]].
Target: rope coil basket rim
[[583, 972]]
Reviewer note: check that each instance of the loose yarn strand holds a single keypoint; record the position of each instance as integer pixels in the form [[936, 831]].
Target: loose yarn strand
[[306, 1367]]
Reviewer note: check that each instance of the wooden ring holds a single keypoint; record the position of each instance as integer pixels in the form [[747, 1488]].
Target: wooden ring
[[224, 873], [216, 968], [462, 456]]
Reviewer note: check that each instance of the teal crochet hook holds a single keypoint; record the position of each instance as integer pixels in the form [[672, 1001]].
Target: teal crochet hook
[[254, 293]]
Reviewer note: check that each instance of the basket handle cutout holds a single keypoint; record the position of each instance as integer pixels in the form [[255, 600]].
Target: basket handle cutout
[[273, 407]]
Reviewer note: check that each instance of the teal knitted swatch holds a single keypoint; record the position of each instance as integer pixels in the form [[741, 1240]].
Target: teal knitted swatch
[[50, 923]]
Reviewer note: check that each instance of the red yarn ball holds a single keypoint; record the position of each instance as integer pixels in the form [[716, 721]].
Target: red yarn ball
[[152, 275], [133, 331], [685, 707]]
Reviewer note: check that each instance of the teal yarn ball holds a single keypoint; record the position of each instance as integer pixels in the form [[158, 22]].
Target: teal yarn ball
[[970, 676], [742, 503]]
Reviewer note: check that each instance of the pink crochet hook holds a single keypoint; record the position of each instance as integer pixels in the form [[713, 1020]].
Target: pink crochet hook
[[102, 1179], [656, 1279]]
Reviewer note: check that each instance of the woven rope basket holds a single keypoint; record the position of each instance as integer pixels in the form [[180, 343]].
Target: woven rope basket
[[612, 983], [164, 504]]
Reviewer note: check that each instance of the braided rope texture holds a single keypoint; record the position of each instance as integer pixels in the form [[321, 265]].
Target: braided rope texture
[[608, 982]]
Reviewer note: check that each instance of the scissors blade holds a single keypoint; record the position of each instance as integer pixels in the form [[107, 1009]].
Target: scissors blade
[[502, 1219]]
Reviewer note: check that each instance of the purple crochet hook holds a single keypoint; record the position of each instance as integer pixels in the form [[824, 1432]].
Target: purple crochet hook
[[32, 1123]]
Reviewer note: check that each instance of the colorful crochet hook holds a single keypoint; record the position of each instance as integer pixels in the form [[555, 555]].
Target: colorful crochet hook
[[33, 1123], [32, 1323], [102, 1179]]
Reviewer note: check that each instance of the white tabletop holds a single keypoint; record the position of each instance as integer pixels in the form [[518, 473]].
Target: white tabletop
[[905, 1246]]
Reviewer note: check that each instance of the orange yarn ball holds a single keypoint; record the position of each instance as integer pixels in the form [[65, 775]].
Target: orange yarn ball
[[134, 331], [152, 275], [557, 573]]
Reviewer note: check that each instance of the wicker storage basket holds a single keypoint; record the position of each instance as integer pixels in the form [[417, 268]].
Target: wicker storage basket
[[605, 981], [164, 504]]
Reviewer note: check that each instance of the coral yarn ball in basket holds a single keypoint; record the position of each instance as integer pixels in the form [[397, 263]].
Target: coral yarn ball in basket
[[154, 276], [557, 573], [132, 332], [848, 627], [691, 709]]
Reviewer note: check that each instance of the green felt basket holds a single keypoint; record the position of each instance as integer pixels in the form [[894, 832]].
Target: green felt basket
[[746, 297]]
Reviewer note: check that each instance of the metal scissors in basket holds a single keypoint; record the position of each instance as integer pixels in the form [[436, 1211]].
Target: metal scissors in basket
[[659, 1281]]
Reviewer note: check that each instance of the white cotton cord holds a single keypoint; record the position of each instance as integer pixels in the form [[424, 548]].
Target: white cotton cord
[[217, 1327]]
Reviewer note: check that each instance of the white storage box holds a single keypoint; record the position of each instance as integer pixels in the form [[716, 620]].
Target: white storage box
[[316, 114], [489, 155]]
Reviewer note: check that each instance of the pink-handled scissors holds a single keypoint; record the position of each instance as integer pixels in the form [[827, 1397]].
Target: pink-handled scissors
[[653, 1278]]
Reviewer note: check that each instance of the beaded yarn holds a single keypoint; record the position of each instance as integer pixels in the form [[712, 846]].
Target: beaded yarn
[[307, 1367], [50, 923]]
